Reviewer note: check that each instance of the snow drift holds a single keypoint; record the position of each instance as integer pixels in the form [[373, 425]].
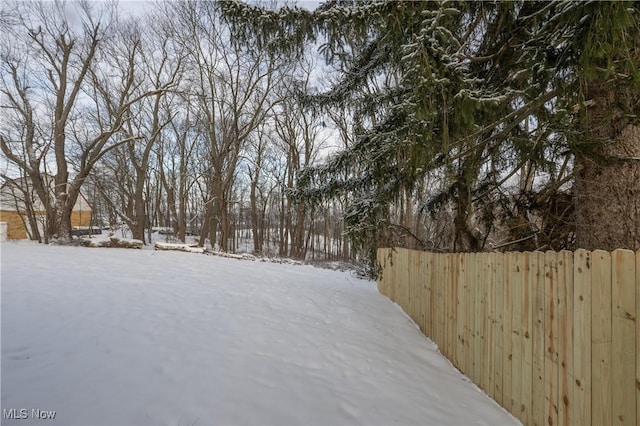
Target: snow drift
[[143, 337]]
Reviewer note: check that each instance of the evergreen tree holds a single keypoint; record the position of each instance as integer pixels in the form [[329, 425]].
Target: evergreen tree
[[480, 91]]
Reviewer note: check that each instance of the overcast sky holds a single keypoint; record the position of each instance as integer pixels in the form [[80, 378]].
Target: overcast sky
[[139, 7]]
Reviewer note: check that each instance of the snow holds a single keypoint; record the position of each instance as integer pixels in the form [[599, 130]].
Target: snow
[[143, 337], [180, 247]]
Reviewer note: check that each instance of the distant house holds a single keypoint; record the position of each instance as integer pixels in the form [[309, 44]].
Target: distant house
[[22, 210]]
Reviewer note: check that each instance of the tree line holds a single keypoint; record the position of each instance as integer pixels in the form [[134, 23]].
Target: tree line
[[163, 120], [476, 125], [452, 126]]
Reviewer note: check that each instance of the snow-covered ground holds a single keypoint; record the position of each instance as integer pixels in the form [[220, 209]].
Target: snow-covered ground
[[141, 337]]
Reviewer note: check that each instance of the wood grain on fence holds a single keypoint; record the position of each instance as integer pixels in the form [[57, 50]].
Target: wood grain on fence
[[552, 337]]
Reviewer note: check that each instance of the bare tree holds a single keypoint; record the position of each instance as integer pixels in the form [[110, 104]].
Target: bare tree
[[60, 78], [298, 132], [232, 85], [176, 155]]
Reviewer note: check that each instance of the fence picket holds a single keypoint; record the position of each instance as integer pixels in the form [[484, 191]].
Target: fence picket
[[382, 262], [530, 271], [517, 270], [581, 378], [422, 290], [498, 279], [404, 276], [461, 311], [565, 337], [538, 417], [439, 299], [601, 338], [507, 343], [469, 316], [478, 320], [488, 350], [623, 335], [453, 312], [428, 294], [448, 312], [552, 337]]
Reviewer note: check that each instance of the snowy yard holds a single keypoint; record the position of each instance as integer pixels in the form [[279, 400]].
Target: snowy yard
[[142, 337]]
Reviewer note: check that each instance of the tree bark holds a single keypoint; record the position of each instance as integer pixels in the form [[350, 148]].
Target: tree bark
[[607, 185]]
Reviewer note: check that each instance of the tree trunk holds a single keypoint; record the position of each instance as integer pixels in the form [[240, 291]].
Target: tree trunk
[[140, 211], [182, 194], [61, 231], [607, 184], [223, 223], [465, 240], [297, 241], [255, 216], [206, 223]]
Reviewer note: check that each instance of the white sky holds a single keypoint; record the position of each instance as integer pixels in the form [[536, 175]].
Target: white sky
[[139, 7]]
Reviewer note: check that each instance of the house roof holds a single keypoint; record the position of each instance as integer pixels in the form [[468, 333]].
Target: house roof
[[14, 192]]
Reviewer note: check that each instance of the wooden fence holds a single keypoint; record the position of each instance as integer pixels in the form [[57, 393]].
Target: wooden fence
[[552, 337]]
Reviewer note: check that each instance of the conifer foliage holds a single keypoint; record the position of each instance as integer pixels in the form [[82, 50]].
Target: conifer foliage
[[514, 109]]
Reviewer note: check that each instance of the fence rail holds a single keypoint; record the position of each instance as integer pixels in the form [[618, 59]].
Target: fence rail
[[552, 337]]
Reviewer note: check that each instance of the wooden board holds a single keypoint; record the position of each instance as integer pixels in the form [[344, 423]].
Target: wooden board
[[581, 377], [498, 279], [405, 300], [478, 320], [461, 312], [489, 363], [601, 385], [471, 268], [507, 343], [455, 300], [423, 282], [483, 317], [565, 335], [447, 295], [428, 293], [623, 336], [516, 333], [538, 417], [439, 302], [551, 338], [469, 313], [418, 286], [393, 278], [381, 261], [530, 272], [409, 308]]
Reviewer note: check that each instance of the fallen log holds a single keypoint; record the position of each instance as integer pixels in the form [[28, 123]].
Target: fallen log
[[190, 248]]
